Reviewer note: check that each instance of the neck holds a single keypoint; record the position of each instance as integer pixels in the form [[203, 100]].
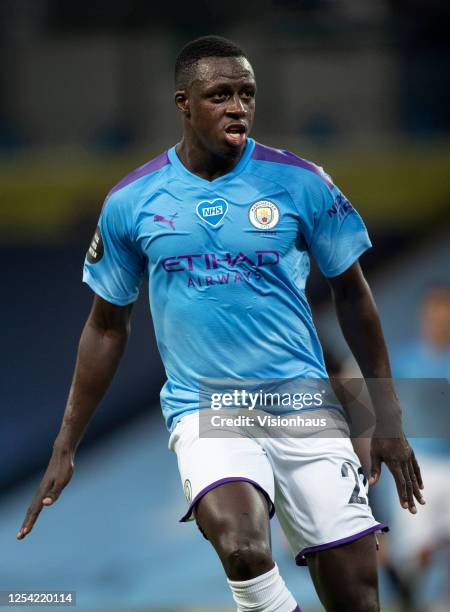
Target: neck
[[205, 163]]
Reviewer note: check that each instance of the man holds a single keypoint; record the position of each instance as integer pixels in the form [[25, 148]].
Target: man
[[416, 543], [224, 228]]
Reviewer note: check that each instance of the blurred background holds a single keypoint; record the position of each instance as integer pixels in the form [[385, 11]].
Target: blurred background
[[86, 95]]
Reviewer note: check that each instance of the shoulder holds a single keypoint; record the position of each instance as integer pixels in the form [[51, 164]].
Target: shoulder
[[123, 201], [285, 163], [141, 180]]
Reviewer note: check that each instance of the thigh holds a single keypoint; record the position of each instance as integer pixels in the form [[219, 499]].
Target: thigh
[[229, 486], [321, 493], [235, 518], [234, 515], [345, 577], [208, 463]]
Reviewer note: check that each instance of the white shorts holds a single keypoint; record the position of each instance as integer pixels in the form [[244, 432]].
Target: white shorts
[[315, 484]]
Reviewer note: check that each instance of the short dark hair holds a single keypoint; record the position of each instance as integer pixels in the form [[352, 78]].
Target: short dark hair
[[206, 46]]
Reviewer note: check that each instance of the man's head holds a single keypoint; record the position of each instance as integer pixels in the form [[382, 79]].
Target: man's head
[[435, 316], [215, 91]]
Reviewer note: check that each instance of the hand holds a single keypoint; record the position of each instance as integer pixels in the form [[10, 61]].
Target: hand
[[57, 476], [399, 457]]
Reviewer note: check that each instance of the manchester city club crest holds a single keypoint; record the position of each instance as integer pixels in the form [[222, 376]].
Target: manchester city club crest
[[264, 215], [188, 491]]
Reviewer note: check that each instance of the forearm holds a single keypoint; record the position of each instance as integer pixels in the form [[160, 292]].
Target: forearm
[[361, 326], [99, 354]]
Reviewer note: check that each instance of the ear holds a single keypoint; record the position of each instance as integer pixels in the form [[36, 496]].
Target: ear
[[182, 102]]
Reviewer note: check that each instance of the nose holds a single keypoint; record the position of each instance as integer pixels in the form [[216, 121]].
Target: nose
[[236, 107]]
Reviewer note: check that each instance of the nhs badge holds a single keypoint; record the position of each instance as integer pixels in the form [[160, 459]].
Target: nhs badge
[[212, 211]]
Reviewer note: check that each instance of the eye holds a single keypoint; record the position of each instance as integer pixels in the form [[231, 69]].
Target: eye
[[219, 97], [248, 94]]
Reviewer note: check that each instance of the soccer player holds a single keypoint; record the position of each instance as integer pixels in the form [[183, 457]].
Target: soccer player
[[416, 543], [223, 227]]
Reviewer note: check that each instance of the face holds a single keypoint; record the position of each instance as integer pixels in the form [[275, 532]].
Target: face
[[219, 104], [436, 318]]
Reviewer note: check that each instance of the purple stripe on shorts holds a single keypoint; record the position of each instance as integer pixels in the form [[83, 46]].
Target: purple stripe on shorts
[[301, 560], [152, 166], [279, 156], [217, 483]]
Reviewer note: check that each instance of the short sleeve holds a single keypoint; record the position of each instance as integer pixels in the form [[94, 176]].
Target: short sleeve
[[338, 234], [114, 267]]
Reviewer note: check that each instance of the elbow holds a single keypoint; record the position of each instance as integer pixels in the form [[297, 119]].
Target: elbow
[[115, 338], [109, 324]]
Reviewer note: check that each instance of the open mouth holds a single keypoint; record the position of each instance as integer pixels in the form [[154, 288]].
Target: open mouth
[[235, 134]]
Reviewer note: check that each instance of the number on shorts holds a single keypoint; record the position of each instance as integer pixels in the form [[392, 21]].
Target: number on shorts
[[358, 495]]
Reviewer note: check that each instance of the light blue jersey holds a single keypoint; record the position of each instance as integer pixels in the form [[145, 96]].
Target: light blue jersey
[[227, 262]]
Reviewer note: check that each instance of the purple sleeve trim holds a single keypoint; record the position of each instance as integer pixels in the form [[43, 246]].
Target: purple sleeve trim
[[300, 559], [152, 166], [217, 483], [279, 156], [297, 609]]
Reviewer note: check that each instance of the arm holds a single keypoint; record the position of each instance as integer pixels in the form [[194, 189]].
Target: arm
[[360, 324], [102, 344]]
